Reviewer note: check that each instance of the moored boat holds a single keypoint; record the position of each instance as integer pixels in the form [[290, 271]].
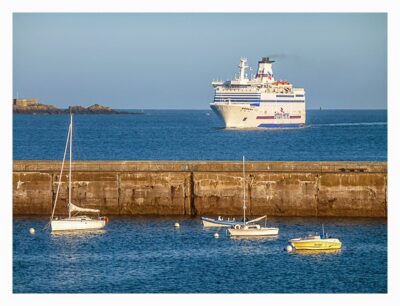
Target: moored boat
[[245, 228], [316, 242], [74, 221], [252, 230], [221, 222], [78, 223]]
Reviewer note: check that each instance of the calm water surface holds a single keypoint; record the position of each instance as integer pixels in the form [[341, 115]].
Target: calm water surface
[[137, 255], [198, 135], [150, 255]]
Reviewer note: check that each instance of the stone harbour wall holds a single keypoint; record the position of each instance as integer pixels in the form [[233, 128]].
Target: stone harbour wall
[[353, 189]]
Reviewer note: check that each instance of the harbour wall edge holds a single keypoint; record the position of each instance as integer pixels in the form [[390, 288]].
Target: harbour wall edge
[[319, 189]]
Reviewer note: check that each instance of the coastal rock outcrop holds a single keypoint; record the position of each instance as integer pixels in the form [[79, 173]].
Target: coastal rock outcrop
[[93, 109], [32, 106]]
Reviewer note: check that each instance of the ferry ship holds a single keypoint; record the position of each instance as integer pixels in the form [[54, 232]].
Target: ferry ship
[[259, 102]]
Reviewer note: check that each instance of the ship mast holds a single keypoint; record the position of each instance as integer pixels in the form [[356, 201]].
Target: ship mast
[[242, 69]]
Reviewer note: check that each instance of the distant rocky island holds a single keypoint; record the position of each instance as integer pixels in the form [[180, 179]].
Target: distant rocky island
[[32, 106]]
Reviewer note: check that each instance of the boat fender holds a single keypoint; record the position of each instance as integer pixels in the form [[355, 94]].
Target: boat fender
[[106, 219]]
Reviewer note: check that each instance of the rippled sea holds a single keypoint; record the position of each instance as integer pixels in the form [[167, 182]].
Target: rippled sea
[[354, 135], [150, 255], [138, 255]]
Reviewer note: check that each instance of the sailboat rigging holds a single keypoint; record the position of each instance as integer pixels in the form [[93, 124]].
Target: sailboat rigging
[[220, 222], [245, 228], [74, 220]]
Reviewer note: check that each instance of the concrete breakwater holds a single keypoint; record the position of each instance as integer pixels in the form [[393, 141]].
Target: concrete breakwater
[[354, 189]]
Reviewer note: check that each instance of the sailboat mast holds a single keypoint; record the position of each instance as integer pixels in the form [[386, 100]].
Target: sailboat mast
[[244, 194], [70, 172], [61, 172]]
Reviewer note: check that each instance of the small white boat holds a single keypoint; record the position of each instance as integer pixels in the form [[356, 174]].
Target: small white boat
[[74, 221], [253, 230], [245, 229], [221, 222], [78, 223]]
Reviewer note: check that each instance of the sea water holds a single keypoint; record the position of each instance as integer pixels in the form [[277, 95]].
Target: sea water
[[330, 135], [150, 255]]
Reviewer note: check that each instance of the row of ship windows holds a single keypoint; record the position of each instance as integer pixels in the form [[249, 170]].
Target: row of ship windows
[[295, 113]]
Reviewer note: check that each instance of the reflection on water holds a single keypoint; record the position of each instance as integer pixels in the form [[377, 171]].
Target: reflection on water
[[78, 233], [261, 238], [317, 252], [149, 255]]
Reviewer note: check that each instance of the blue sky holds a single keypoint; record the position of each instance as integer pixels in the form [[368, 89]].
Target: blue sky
[[168, 61]]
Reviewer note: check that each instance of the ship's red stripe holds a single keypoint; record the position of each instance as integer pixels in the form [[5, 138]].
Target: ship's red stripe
[[272, 117]]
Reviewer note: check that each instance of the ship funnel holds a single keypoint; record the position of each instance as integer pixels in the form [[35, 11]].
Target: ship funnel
[[265, 73], [266, 60]]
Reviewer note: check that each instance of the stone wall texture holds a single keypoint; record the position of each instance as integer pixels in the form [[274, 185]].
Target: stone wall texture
[[354, 189]]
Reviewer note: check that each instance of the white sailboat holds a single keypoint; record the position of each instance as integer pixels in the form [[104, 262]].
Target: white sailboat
[[75, 221], [250, 230], [221, 222]]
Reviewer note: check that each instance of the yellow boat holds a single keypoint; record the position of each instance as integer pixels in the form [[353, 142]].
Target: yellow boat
[[316, 242]]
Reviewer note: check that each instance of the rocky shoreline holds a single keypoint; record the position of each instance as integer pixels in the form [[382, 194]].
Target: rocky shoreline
[[31, 106]]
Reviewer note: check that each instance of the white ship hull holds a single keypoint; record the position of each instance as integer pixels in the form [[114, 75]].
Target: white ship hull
[[77, 223], [266, 115]]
